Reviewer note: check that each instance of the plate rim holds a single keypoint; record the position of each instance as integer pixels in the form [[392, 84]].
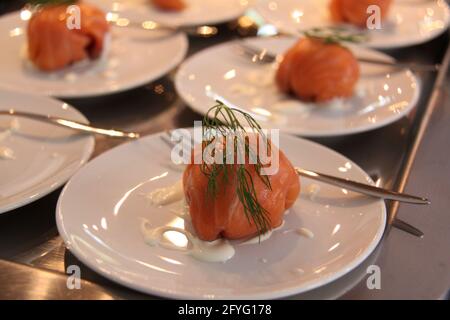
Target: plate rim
[[281, 293], [298, 131], [90, 144], [180, 56], [205, 21]]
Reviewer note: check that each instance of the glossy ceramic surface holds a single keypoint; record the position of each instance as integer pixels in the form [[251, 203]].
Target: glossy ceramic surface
[[382, 94], [44, 156], [197, 12], [132, 58], [100, 212], [409, 22]]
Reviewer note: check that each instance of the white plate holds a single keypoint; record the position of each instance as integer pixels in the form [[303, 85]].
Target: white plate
[[380, 97], [100, 211], [197, 12], [409, 22], [46, 156], [133, 59]]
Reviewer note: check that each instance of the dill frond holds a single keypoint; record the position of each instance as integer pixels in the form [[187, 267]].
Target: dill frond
[[222, 122]]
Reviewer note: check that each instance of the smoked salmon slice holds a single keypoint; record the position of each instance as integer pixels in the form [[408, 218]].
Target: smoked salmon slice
[[355, 11], [52, 45], [315, 70], [223, 215], [170, 5]]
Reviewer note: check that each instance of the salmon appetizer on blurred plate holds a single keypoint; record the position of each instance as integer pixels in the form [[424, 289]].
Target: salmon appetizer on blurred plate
[[356, 12], [170, 5], [318, 70], [53, 45]]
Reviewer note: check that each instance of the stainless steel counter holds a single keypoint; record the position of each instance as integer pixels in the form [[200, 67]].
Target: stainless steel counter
[[415, 147]]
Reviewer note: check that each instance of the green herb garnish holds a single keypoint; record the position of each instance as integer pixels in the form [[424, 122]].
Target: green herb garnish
[[221, 122], [335, 35]]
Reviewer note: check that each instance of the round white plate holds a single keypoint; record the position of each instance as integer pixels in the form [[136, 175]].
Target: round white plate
[[409, 22], [100, 212], [381, 96], [133, 58], [45, 156], [197, 12]]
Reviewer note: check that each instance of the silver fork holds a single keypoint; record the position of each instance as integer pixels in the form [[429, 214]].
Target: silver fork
[[355, 186], [74, 125], [350, 185], [263, 56]]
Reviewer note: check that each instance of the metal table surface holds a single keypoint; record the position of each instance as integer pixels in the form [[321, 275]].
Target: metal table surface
[[34, 258]]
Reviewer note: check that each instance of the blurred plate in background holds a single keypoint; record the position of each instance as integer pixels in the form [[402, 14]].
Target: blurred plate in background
[[132, 58], [409, 22], [43, 156], [197, 12], [382, 95]]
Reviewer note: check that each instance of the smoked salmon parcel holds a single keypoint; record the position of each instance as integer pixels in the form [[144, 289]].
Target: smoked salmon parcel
[[317, 70], [170, 5], [230, 212], [52, 45], [355, 11]]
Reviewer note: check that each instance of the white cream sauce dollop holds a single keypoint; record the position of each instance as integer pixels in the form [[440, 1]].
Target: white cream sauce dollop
[[6, 153], [305, 232], [263, 237], [219, 250], [167, 195], [215, 251]]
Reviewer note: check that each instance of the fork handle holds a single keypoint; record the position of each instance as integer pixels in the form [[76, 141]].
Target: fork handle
[[78, 126], [402, 65], [362, 188]]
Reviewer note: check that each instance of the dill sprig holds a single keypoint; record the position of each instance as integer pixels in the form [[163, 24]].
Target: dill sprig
[[220, 123], [335, 35]]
